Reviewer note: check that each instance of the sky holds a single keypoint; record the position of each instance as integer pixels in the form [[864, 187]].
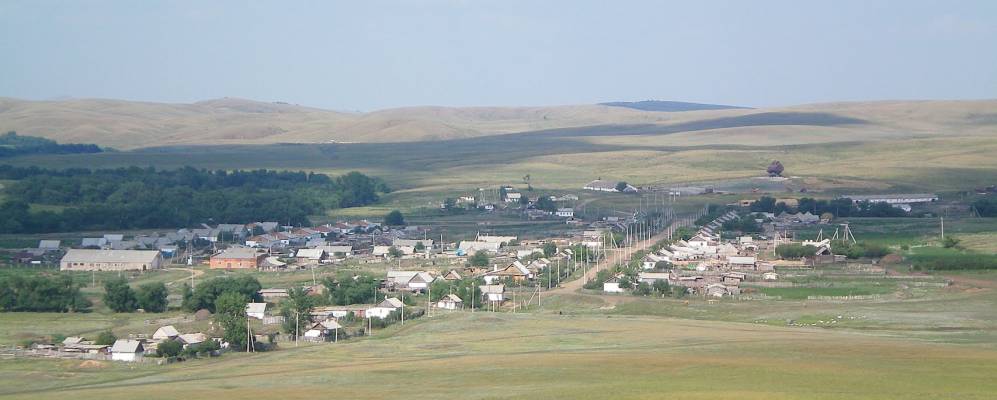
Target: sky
[[369, 55]]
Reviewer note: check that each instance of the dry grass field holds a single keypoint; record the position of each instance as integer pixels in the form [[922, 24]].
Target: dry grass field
[[490, 356]]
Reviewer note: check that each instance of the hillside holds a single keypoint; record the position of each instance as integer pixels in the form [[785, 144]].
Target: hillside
[[130, 124], [668, 106]]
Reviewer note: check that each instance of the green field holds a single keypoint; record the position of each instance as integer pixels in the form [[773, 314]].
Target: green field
[[487, 355]]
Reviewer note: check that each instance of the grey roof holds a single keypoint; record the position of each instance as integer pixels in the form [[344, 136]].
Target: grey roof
[[238, 252], [89, 256], [127, 346], [48, 244], [114, 236]]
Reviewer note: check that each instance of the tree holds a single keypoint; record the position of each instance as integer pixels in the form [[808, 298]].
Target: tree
[[208, 292], [349, 289], [479, 259], [169, 348], [621, 186], [550, 249], [524, 200], [546, 204], [764, 204], [394, 252], [296, 310], [106, 338], [118, 296], [151, 297], [394, 218], [186, 295], [661, 286], [419, 247], [230, 315], [795, 250], [775, 168]]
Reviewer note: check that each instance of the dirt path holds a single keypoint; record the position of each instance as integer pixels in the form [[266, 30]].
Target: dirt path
[[575, 285], [197, 274]]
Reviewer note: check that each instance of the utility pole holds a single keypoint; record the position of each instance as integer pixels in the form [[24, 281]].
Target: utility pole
[[942, 219], [297, 323]]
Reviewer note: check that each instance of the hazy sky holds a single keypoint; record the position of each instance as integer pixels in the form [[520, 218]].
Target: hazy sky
[[367, 55]]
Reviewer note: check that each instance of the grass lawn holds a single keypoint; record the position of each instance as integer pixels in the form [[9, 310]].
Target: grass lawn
[[548, 356]]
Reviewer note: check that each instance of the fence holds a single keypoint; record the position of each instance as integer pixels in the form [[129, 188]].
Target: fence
[[846, 298]]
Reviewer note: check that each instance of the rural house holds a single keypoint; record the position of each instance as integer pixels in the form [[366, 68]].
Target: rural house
[[127, 350], [237, 258]]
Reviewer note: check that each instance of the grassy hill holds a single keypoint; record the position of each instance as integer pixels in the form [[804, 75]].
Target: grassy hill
[[668, 106], [130, 124]]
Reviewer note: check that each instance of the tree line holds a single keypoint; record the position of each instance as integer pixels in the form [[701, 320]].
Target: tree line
[[142, 198], [12, 144], [41, 294], [841, 207]]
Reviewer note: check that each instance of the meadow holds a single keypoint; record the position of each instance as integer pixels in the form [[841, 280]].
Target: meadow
[[503, 355]]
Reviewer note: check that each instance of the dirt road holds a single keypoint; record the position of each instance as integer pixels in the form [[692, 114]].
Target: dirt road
[[574, 285]]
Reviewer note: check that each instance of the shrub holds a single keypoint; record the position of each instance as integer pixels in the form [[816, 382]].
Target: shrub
[[106, 338], [169, 348]]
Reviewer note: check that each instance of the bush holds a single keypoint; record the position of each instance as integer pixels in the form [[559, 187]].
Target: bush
[[394, 218], [795, 250], [106, 338], [169, 348]]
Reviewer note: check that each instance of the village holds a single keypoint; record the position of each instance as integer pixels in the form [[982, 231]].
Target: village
[[731, 252]]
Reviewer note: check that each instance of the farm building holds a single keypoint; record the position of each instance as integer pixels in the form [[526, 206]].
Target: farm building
[[165, 333], [612, 285], [337, 251], [127, 350], [310, 255], [49, 244], [895, 199], [450, 302], [237, 258], [493, 293], [256, 310], [565, 212], [600, 185], [321, 331], [110, 260], [382, 309]]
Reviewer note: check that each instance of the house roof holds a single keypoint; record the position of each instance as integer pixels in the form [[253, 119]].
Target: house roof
[[256, 308], [164, 332], [48, 244], [391, 302], [127, 346], [131, 256], [452, 297], [492, 289], [313, 254], [193, 338], [238, 253]]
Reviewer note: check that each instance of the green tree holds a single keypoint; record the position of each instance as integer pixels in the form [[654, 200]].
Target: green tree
[[106, 338], [394, 218], [419, 247], [550, 249], [394, 252], [169, 348], [151, 297], [118, 296], [230, 315], [296, 310], [479, 259], [186, 296]]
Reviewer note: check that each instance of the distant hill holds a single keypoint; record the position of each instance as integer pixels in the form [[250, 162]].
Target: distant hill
[[128, 125], [669, 106]]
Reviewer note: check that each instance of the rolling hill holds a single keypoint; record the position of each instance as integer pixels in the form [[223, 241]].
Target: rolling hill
[[131, 124]]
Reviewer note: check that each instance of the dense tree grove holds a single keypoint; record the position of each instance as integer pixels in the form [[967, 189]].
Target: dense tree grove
[[842, 207], [795, 250], [118, 296], [348, 289], [12, 144], [986, 207], [151, 297], [206, 294], [41, 294], [138, 198]]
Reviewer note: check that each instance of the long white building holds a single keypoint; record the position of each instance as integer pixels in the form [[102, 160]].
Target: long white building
[[110, 260]]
